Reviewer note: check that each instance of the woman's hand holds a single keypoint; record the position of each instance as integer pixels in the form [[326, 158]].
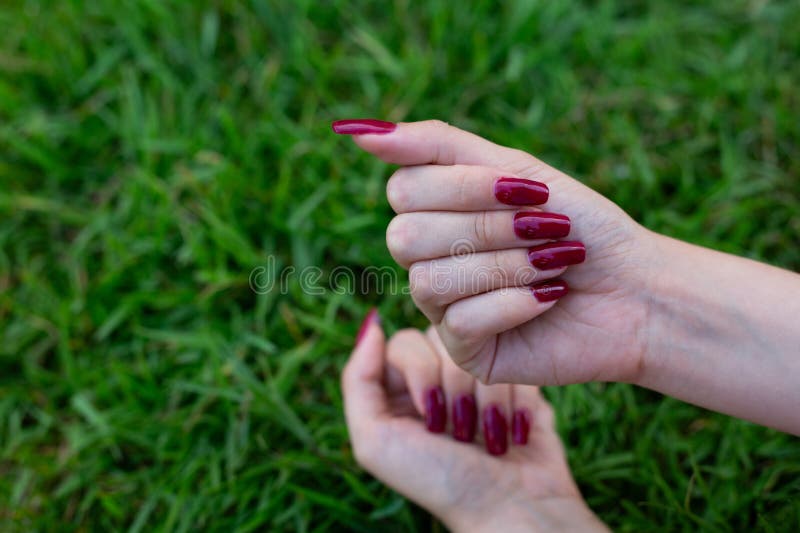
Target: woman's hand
[[472, 263], [709, 328], [396, 396]]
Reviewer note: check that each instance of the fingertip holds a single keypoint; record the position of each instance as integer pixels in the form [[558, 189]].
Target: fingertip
[[362, 376], [371, 319], [366, 359]]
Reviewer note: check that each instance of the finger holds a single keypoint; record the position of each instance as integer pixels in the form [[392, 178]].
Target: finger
[[494, 402], [437, 283], [467, 328], [533, 424], [410, 353], [459, 390], [460, 188], [413, 237], [362, 377], [525, 400], [438, 143]]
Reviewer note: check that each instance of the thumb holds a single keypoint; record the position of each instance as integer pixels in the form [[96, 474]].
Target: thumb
[[430, 142]]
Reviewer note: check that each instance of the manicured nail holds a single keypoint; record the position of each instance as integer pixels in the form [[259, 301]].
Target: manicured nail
[[495, 430], [361, 126], [465, 417], [557, 254], [520, 426], [371, 318], [517, 191], [435, 410], [535, 225], [547, 291]]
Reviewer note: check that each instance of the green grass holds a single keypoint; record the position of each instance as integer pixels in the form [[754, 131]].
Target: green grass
[[153, 153]]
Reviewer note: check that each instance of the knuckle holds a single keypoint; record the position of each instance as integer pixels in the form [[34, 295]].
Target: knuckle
[[397, 193], [462, 185], [459, 326], [423, 283], [399, 237], [516, 157], [443, 152], [437, 124], [480, 228]]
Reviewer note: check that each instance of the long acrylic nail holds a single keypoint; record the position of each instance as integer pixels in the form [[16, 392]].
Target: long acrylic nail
[[361, 126], [520, 426], [495, 430], [372, 317], [465, 417], [518, 191], [435, 410], [557, 254], [536, 225], [547, 291]]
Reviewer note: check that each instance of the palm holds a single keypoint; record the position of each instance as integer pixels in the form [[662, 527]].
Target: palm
[[447, 473], [526, 484]]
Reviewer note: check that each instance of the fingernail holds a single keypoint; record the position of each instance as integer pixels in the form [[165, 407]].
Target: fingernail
[[361, 126], [517, 191], [520, 426], [435, 410], [535, 225], [557, 254], [465, 417], [495, 430], [372, 317], [547, 291]]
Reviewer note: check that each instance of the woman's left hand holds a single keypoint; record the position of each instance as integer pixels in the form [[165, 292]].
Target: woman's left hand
[[396, 396]]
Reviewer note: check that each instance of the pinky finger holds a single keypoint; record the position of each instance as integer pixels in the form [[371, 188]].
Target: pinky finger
[[467, 326]]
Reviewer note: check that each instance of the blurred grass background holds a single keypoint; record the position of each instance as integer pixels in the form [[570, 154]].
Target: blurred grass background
[[152, 154]]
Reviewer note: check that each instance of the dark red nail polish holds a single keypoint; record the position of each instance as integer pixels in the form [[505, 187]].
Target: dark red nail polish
[[495, 430], [547, 291], [435, 410], [557, 254], [372, 317], [361, 126], [517, 191], [536, 225], [520, 426], [465, 417]]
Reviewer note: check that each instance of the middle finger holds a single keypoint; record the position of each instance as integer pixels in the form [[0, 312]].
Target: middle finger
[[413, 237]]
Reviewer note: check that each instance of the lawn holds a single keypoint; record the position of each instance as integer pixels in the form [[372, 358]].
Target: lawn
[[153, 154]]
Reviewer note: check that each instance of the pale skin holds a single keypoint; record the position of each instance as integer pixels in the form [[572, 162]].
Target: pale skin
[[530, 488], [709, 328]]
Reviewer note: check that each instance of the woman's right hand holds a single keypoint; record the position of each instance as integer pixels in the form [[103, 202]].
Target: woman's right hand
[[709, 328], [475, 241]]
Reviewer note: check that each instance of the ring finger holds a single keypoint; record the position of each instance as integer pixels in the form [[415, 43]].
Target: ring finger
[[437, 283]]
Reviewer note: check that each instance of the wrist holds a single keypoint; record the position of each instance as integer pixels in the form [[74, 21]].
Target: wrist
[[550, 514], [664, 295], [721, 333]]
